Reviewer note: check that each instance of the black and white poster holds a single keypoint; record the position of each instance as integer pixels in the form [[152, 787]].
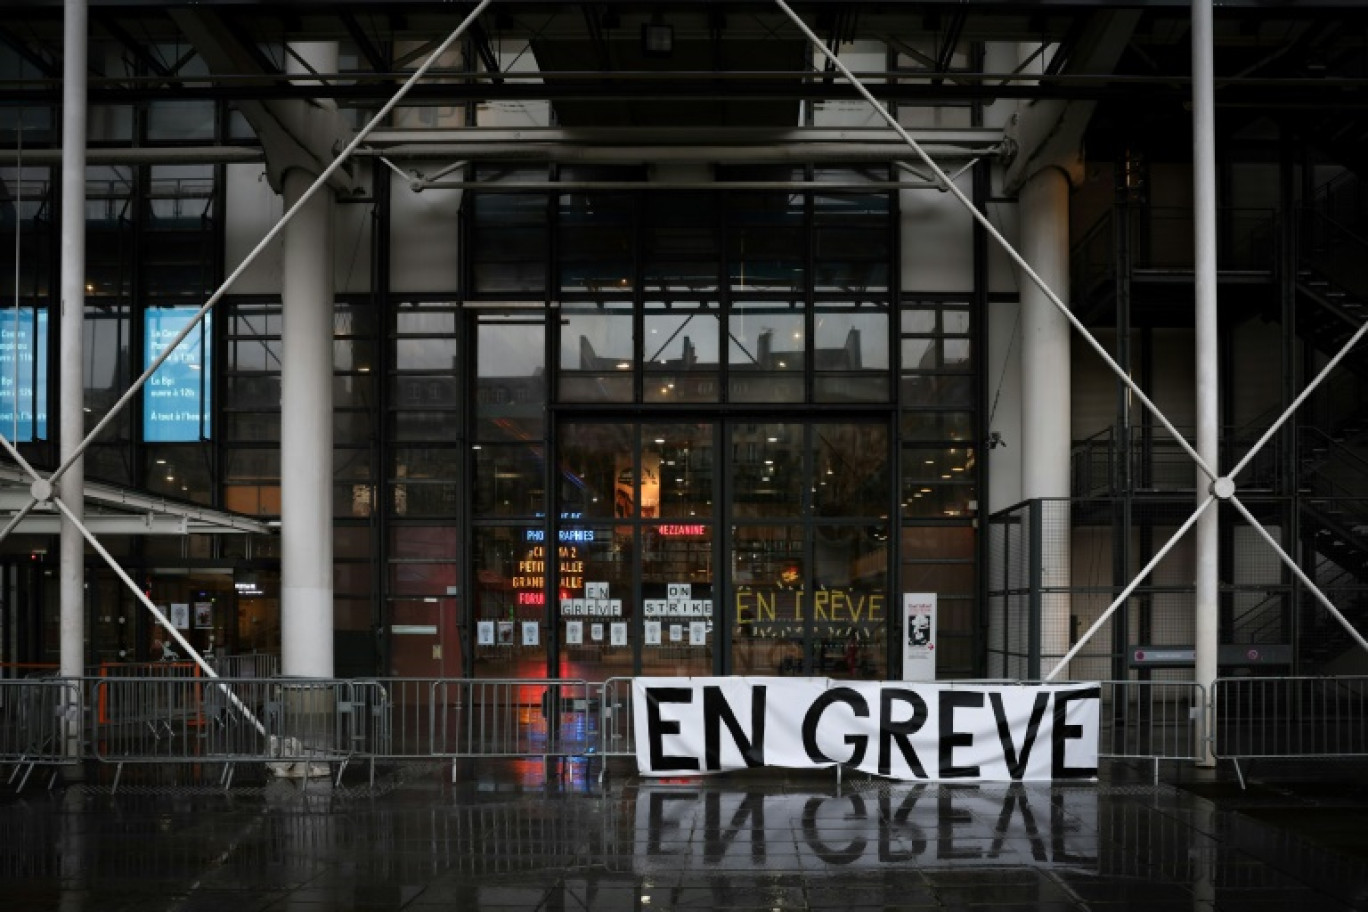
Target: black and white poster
[[911, 731], [180, 615], [919, 636]]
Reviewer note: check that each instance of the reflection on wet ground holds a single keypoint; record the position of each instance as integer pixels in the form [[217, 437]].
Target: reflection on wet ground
[[506, 838]]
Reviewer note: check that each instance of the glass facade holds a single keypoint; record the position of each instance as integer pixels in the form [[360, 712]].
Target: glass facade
[[653, 432], [735, 432]]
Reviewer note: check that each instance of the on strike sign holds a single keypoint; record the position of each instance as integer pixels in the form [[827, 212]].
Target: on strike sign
[[930, 732]]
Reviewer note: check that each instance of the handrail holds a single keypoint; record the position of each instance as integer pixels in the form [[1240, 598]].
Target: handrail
[[1339, 226], [1343, 454]]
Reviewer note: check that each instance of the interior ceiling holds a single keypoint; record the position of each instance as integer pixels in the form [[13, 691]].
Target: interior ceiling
[[1302, 64]]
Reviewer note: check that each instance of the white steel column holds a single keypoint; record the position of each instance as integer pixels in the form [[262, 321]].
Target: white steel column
[[71, 411], [1045, 392], [306, 415], [1207, 613]]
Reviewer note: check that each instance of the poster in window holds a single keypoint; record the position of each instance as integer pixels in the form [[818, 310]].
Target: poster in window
[[180, 615], [574, 633], [919, 636], [204, 614], [651, 632], [676, 633], [596, 632], [698, 633], [531, 633], [617, 633], [505, 633], [484, 633]]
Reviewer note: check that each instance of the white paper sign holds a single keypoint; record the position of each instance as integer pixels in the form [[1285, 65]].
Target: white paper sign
[[919, 636], [531, 633], [484, 633], [651, 633], [574, 633], [617, 633]]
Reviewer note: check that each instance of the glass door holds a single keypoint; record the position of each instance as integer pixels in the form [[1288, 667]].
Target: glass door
[[635, 528], [809, 549]]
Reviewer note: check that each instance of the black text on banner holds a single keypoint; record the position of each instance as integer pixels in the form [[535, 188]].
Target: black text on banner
[[930, 731]]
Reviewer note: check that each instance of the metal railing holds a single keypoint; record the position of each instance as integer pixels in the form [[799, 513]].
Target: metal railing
[[1290, 718], [617, 732], [1152, 721], [470, 718], [299, 726], [291, 722], [31, 714], [309, 728]]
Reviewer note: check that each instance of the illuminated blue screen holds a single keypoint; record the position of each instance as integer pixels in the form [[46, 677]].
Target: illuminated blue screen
[[23, 374], [176, 397]]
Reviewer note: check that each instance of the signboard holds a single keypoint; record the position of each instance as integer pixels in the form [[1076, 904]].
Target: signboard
[[1227, 654], [176, 397], [927, 732], [919, 636], [23, 374]]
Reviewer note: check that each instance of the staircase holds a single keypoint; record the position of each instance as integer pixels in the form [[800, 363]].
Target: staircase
[[1332, 427]]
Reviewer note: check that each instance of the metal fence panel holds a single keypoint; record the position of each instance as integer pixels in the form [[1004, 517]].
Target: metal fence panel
[[31, 714], [1152, 720], [617, 737], [424, 718], [151, 720], [1290, 717]]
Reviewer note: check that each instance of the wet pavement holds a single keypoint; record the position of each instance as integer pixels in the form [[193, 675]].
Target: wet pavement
[[504, 837]]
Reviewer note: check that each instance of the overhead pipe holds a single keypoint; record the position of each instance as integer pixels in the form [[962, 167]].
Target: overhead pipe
[[418, 184], [646, 154], [142, 155]]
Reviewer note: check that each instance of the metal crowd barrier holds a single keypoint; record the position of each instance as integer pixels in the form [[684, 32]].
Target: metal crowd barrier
[[1293, 717], [306, 727], [302, 727], [32, 711], [617, 737], [471, 718], [299, 726], [1152, 720]]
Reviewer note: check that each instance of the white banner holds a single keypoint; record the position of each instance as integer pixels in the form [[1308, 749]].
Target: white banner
[[929, 732]]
